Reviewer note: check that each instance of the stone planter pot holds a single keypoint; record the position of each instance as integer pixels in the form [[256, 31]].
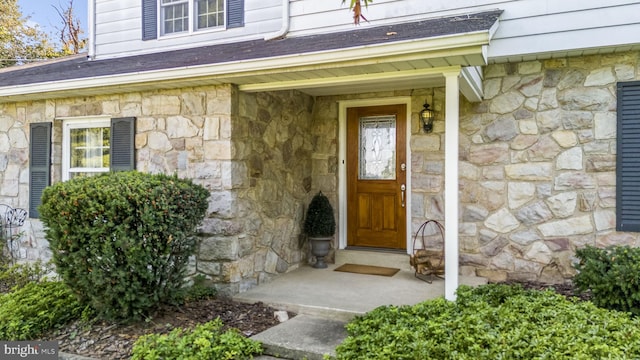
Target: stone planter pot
[[320, 247]]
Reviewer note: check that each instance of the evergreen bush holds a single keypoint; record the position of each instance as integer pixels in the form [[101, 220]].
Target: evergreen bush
[[122, 240], [320, 221], [612, 275]]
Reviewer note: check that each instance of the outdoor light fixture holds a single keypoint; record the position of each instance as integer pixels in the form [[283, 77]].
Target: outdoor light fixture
[[426, 117]]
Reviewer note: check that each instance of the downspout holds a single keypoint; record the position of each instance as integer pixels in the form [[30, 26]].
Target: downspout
[[285, 23], [91, 21]]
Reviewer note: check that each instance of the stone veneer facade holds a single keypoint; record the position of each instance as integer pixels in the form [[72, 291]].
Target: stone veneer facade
[[537, 166], [251, 151]]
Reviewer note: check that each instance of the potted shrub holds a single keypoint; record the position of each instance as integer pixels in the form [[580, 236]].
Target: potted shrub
[[320, 225]]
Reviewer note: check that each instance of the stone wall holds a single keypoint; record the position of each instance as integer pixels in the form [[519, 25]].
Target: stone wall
[[537, 166], [538, 160], [251, 151], [253, 233]]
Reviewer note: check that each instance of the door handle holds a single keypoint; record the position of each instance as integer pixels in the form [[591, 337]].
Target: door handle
[[402, 190]]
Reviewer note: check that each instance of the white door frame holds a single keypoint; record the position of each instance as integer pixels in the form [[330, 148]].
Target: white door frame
[[342, 162]]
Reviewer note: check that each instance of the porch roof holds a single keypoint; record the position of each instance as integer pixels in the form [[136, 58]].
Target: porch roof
[[392, 57]]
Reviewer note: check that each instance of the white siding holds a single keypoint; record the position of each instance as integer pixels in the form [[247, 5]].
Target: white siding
[[528, 28], [119, 28], [560, 27]]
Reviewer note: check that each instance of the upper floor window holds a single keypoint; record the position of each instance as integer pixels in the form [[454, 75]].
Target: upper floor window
[[210, 13], [165, 17], [176, 15]]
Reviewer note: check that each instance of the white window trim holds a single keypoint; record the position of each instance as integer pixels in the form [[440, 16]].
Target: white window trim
[[81, 123], [192, 19]]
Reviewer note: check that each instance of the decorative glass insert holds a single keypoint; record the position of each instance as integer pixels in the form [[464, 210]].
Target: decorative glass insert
[[210, 13], [89, 151], [377, 148]]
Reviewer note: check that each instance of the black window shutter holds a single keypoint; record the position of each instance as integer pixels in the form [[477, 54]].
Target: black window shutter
[[235, 13], [122, 144], [39, 164], [628, 157], [149, 19]]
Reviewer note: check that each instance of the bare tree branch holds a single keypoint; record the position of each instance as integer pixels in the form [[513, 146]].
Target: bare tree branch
[[70, 31]]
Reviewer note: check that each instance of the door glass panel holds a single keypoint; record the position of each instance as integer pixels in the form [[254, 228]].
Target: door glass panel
[[377, 160]]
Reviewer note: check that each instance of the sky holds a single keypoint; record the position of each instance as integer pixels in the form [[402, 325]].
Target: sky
[[43, 13]]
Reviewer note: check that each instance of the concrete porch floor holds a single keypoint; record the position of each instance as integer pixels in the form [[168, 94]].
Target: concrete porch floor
[[341, 296]]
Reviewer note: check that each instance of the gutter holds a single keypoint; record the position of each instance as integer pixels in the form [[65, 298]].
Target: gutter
[[286, 15]]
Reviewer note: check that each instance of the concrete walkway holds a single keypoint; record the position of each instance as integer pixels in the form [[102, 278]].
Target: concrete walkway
[[325, 300]]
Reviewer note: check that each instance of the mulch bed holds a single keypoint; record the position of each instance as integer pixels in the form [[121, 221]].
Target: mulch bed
[[104, 340], [566, 289]]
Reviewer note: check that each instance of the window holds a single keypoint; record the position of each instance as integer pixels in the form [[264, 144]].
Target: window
[[89, 146], [628, 161], [85, 147], [183, 16], [210, 13], [175, 15]]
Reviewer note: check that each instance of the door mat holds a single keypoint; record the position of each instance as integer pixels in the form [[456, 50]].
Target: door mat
[[367, 269]]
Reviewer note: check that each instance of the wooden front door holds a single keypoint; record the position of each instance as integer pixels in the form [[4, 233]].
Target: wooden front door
[[376, 176]]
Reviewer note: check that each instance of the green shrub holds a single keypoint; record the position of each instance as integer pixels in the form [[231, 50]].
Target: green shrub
[[21, 274], [493, 322], [28, 311], [320, 221], [122, 240], [199, 290], [206, 341], [612, 275]]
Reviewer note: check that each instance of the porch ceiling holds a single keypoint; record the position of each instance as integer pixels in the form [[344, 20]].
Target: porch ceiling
[[379, 59]]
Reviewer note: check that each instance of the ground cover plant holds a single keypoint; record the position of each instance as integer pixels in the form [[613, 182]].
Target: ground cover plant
[[122, 240], [206, 341], [27, 312], [494, 322]]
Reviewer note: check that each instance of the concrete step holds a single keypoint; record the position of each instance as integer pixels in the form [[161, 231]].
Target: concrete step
[[374, 257], [303, 337]]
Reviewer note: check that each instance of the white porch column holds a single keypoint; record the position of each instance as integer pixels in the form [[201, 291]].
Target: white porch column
[[451, 133]]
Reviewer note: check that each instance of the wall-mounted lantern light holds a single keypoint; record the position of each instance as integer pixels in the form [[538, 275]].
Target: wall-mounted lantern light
[[426, 118]]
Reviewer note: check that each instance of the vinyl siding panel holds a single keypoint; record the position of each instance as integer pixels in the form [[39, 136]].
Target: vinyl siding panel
[[119, 28], [526, 26], [568, 25]]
